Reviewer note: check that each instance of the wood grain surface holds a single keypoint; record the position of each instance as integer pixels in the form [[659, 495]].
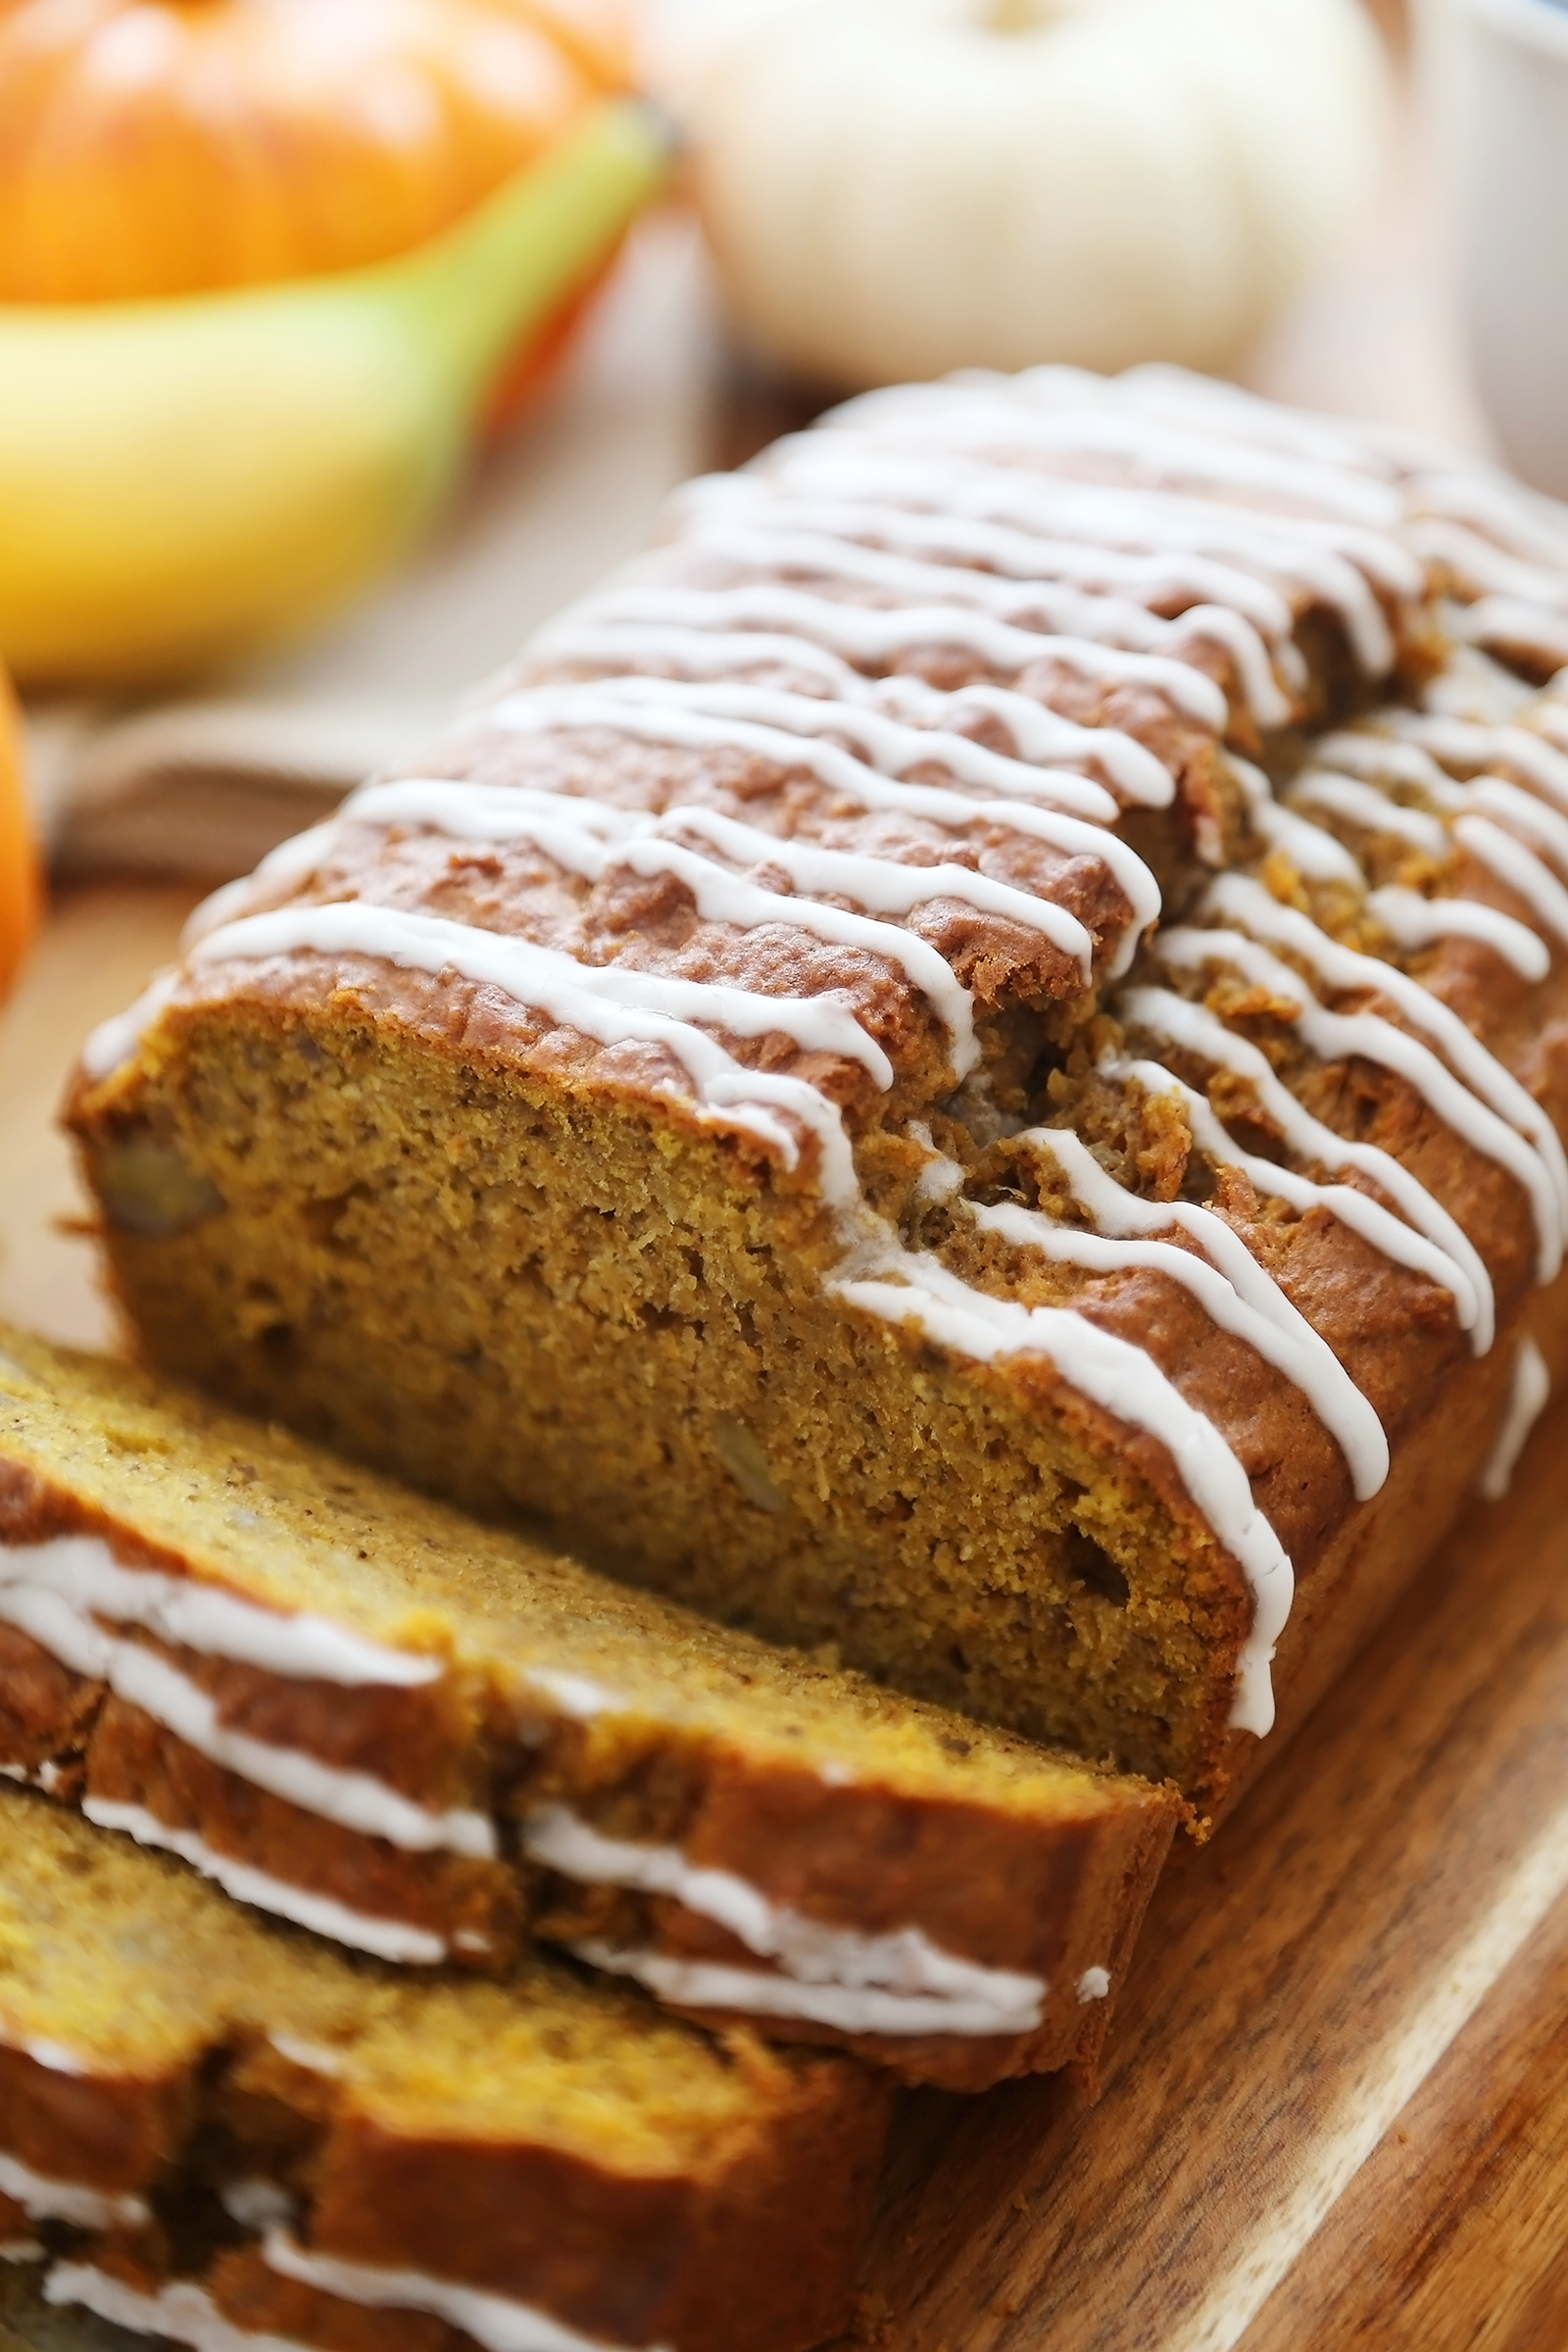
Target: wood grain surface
[[1335, 2102]]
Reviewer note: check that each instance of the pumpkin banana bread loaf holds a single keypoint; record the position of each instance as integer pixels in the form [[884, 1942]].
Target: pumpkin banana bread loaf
[[966, 1063], [352, 1707], [221, 2130]]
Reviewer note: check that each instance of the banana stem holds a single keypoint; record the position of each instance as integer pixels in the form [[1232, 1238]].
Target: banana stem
[[476, 290]]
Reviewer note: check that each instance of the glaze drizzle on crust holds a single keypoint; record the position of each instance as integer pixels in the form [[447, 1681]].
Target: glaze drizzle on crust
[[546, 2161], [913, 730], [358, 1711]]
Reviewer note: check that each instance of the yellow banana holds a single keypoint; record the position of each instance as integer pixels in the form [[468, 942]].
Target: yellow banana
[[180, 479]]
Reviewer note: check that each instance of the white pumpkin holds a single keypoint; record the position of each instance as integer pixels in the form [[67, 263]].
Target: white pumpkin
[[893, 189]]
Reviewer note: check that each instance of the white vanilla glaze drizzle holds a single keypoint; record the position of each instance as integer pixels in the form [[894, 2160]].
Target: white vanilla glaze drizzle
[[754, 498], [1494, 514], [1340, 1036], [1480, 564], [46, 2200], [1412, 921], [497, 2322], [589, 838], [1492, 503], [55, 2056], [1529, 1391], [912, 1287], [1521, 812], [899, 1983], [286, 867], [875, 633], [1364, 1215], [1490, 815], [1372, 812], [1379, 757], [996, 421], [84, 1570], [784, 729], [575, 1694], [1507, 621], [1539, 822], [1326, 561], [1040, 735], [1548, 716], [885, 746], [181, 2312], [611, 1004], [59, 1593], [1243, 902], [1454, 1262], [847, 2008], [1239, 1294], [353, 1800], [1519, 869], [1462, 744], [1311, 850], [385, 1938], [1209, 405], [184, 2313], [114, 1042], [1065, 608]]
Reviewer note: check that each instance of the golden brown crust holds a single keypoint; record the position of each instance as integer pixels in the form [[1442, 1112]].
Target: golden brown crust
[[1379, 1552], [114, 2136], [749, 2233], [258, 2300]]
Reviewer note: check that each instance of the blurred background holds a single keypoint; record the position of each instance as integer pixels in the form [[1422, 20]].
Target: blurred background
[[341, 341]]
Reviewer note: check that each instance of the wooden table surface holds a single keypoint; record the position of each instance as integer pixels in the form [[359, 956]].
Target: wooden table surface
[[1333, 2107]]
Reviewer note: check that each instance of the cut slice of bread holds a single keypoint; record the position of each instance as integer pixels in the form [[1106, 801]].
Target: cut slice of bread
[[420, 1736], [212, 2127]]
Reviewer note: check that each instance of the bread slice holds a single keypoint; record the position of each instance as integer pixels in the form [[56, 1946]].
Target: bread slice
[[213, 2127], [354, 1707]]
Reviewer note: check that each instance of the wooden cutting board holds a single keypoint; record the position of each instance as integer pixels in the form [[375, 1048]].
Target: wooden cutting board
[[1335, 2104], [1333, 2107]]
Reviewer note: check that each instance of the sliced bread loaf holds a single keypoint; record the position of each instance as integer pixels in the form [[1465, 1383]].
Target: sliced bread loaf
[[219, 2130], [356, 1708]]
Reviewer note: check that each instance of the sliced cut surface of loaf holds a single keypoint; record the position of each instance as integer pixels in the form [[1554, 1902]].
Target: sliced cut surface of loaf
[[967, 1062], [422, 1737], [212, 2127]]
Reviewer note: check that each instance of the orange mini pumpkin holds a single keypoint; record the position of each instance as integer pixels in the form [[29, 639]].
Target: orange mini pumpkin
[[154, 147], [19, 864]]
